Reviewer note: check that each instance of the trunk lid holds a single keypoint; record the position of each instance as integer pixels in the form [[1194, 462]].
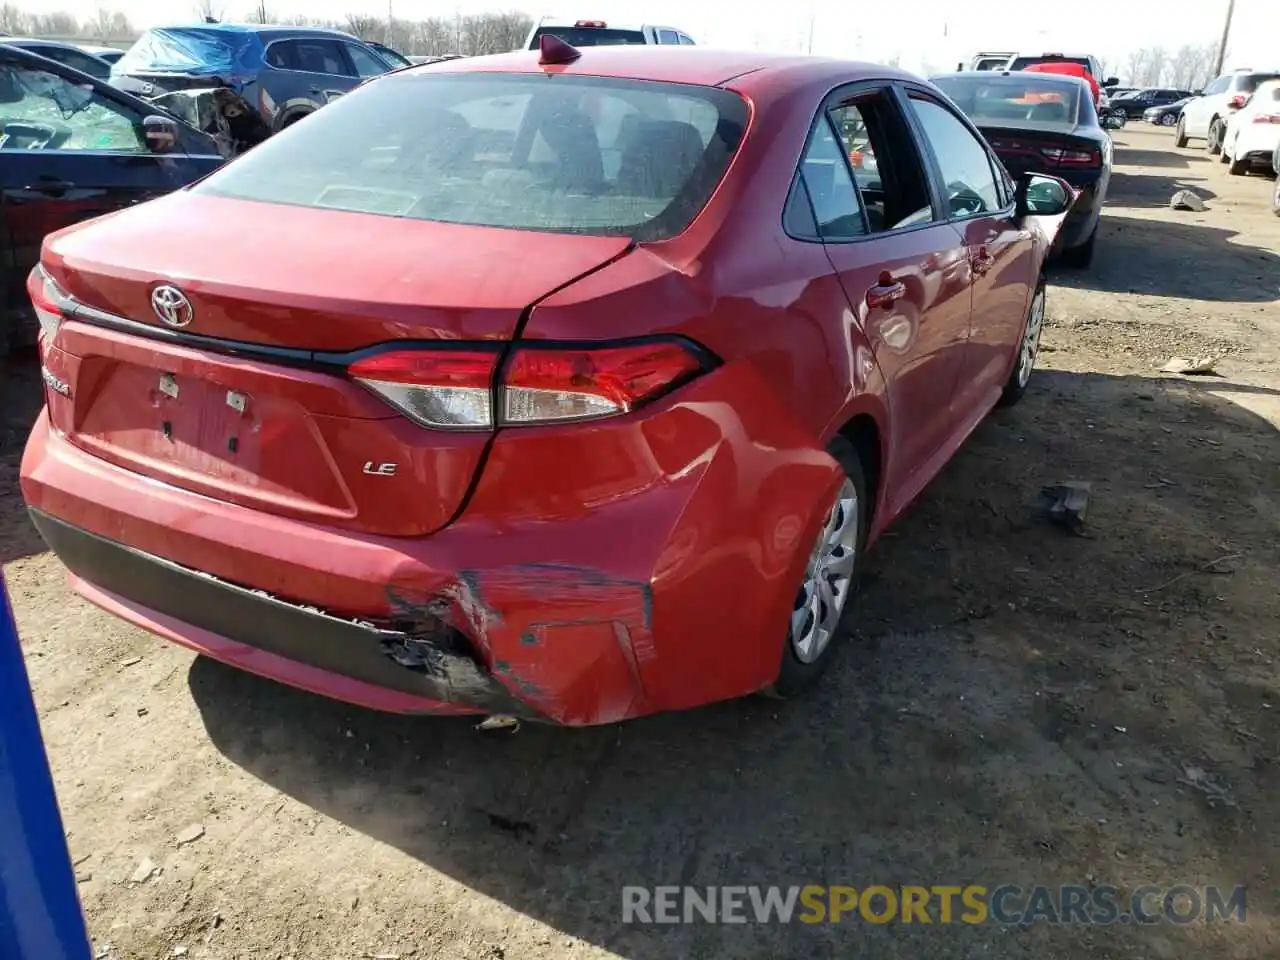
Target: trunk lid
[[252, 416], [1038, 150]]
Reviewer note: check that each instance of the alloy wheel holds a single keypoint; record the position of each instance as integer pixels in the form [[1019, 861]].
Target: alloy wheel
[[828, 578], [1031, 340]]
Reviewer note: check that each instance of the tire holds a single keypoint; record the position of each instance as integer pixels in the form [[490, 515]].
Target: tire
[[1168, 120], [806, 655], [293, 118], [1079, 257], [1239, 166], [1020, 375], [1214, 143], [1275, 197], [1180, 138]]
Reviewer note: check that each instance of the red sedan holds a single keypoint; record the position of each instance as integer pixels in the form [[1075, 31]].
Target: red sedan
[[567, 387]]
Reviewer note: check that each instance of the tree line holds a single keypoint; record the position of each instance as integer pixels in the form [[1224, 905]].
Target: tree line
[[471, 36], [1187, 68]]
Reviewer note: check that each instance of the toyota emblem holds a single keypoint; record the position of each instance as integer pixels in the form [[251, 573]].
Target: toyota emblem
[[171, 305]]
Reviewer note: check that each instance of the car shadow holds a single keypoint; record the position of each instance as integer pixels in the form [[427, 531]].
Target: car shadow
[[1151, 190], [23, 396], [1173, 259], [967, 733], [1134, 157]]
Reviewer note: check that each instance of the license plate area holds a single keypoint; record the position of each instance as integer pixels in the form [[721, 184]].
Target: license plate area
[[255, 448]]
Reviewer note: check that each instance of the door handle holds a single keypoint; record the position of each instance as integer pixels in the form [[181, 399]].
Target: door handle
[[886, 293], [983, 262], [50, 185]]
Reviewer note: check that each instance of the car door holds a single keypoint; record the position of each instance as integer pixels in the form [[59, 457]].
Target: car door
[[71, 149], [1197, 114], [1001, 252], [903, 269], [303, 74]]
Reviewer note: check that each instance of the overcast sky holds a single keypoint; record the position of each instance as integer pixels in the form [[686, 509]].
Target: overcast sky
[[920, 32]]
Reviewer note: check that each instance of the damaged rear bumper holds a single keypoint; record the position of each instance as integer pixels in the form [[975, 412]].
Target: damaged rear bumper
[[433, 671]]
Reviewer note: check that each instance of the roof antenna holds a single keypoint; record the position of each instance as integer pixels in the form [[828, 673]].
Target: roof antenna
[[553, 50]]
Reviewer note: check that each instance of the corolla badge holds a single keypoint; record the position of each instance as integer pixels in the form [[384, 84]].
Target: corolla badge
[[171, 305]]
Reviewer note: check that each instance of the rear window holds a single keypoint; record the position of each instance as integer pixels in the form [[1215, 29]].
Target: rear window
[[1250, 83], [589, 36], [1021, 63], [1025, 98], [191, 50], [566, 154]]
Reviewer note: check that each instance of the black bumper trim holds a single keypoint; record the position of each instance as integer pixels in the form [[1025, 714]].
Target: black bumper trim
[[311, 637]]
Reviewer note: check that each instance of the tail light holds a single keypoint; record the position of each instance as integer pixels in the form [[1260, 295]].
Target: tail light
[[1238, 101], [50, 301], [1266, 118], [1073, 158], [463, 389]]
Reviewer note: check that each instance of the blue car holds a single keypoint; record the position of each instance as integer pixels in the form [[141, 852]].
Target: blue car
[[283, 73]]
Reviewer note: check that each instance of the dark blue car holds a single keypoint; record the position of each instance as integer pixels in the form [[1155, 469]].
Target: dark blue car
[[283, 73]]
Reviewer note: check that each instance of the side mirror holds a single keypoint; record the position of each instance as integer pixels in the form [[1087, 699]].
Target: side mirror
[[1039, 195], [1112, 82], [161, 134]]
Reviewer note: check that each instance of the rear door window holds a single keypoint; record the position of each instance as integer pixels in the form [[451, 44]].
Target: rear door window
[[668, 36], [577, 155], [309, 56]]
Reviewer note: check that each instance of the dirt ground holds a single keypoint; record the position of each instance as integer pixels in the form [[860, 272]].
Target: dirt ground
[[1018, 705]]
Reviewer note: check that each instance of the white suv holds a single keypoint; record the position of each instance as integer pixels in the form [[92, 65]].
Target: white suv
[[597, 33], [1205, 117], [1253, 131]]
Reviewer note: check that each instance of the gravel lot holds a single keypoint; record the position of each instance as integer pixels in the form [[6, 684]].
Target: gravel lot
[[1018, 705]]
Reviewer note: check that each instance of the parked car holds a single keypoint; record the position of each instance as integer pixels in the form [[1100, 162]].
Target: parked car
[[1136, 104], [1116, 90], [74, 148], [1167, 114], [597, 33], [64, 53], [1205, 117], [1021, 61], [1275, 192], [989, 60], [1043, 124], [109, 54], [1253, 131], [574, 401], [284, 73]]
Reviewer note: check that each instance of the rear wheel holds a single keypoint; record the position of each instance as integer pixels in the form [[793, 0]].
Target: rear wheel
[[816, 626], [1168, 120], [1028, 350], [1180, 138], [1214, 143], [1239, 165], [1275, 197]]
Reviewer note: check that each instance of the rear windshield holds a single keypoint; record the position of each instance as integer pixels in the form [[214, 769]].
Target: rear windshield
[[1249, 83], [1025, 99], [567, 154], [190, 50], [1021, 63], [588, 36]]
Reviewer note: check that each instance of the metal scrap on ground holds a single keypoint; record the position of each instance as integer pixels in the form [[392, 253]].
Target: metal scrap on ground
[[1187, 200], [1067, 502]]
